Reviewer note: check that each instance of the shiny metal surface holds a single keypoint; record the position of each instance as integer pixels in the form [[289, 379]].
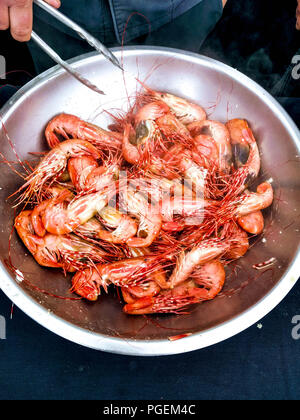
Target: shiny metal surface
[[86, 36], [90, 39], [249, 294], [57, 59]]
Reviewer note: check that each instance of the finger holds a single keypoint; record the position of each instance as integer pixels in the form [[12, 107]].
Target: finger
[[20, 16], [54, 3], [4, 18], [224, 2], [298, 17]]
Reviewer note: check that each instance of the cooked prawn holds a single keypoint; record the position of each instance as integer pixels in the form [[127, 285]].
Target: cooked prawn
[[150, 112], [132, 293], [208, 283], [148, 214], [138, 145], [68, 252], [157, 207], [60, 217], [239, 242], [252, 222], [129, 272], [219, 136], [142, 141], [70, 126], [260, 200], [53, 164], [186, 207], [185, 111], [244, 148], [125, 226], [79, 168], [187, 262], [159, 275]]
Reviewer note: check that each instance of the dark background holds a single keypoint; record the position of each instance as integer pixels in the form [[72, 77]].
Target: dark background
[[258, 38]]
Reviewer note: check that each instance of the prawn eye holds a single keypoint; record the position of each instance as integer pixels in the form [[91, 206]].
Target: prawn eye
[[249, 179], [228, 159], [142, 132], [240, 154], [133, 139], [205, 130], [142, 233]]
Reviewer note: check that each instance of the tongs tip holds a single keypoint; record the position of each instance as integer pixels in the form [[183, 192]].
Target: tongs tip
[[113, 59]]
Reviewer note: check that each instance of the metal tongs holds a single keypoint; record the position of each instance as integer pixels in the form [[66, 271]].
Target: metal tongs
[[83, 34]]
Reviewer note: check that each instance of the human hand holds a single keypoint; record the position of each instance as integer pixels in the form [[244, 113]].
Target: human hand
[[17, 15], [298, 16]]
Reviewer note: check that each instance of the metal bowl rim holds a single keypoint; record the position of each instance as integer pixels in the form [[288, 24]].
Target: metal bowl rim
[[161, 347]]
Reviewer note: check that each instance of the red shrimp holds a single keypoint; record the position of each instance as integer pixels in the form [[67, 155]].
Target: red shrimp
[[70, 126], [208, 283], [60, 217], [246, 159], [125, 273], [142, 141], [173, 129], [252, 222], [125, 226], [185, 207], [68, 252], [53, 164], [244, 149], [79, 169], [138, 145], [150, 112], [59, 194], [204, 151], [150, 220], [239, 243], [220, 137], [131, 293], [252, 202], [188, 261], [185, 111]]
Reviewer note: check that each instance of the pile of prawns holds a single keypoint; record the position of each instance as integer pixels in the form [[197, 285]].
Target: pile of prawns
[[157, 204]]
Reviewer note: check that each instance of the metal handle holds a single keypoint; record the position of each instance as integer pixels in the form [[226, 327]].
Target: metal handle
[[95, 43], [44, 46]]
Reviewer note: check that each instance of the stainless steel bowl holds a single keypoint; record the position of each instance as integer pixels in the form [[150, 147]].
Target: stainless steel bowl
[[225, 93]]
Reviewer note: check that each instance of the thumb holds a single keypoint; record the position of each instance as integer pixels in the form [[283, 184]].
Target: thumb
[[54, 3]]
